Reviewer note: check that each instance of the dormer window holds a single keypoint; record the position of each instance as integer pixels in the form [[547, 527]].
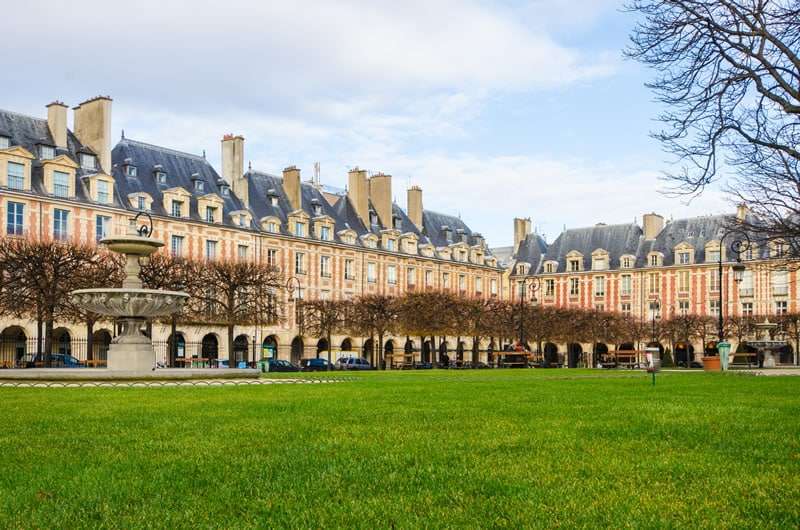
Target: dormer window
[[627, 262], [161, 177], [210, 214], [549, 267], [16, 176], [88, 161], [60, 184], [654, 260], [373, 218], [103, 194], [199, 185], [47, 152], [140, 204], [448, 234], [5, 142], [299, 229], [242, 221], [225, 191], [317, 209], [130, 170], [272, 227], [325, 233], [574, 265], [390, 245], [600, 262], [520, 269], [177, 209], [684, 257], [398, 223]]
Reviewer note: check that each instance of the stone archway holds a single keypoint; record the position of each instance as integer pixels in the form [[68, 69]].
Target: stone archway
[[241, 349], [178, 351], [297, 350], [322, 348], [13, 347], [101, 341], [209, 347], [347, 344], [269, 347], [684, 354], [574, 354], [550, 353]]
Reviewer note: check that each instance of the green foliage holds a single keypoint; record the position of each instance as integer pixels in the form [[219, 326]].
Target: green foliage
[[483, 448]]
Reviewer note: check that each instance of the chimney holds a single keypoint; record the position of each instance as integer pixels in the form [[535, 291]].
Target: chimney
[[652, 225], [380, 193], [233, 166], [93, 128], [57, 121], [291, 186], [414, 206], [522, 228], [741, 212], [358, 193]]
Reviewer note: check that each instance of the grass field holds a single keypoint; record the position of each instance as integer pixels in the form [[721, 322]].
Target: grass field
[[438, 448]]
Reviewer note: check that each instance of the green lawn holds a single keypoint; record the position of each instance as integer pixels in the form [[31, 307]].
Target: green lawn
[[409, 449]]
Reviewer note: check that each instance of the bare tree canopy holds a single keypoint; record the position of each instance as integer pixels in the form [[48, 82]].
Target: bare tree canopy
[[728, 73]]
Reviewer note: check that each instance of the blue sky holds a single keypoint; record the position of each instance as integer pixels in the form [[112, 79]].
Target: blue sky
[[497, 109]]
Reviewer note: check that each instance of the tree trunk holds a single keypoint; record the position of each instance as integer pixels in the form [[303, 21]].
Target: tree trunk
[[329, 351], [231, 354], [48, 340], [173, 347], [39, 334], [89, 340], [381, 354]]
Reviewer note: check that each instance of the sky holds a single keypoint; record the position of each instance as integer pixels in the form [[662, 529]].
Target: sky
[[496, 109]]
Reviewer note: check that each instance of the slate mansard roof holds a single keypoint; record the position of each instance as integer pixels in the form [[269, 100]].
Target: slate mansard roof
[[628, 240], [31, 133]]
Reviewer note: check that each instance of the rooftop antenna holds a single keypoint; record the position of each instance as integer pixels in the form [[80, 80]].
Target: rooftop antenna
[[123, 134], [315, 179], [204, 154], [250, 166]]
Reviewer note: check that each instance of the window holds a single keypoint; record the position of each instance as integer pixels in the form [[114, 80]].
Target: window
[[211, 249], [599, 286], [390, 244], [325, 266], [653, 283], [373, 218], [627, 262], [574, 287], [140, 204], [177, 209], [626, 286], [549, 267], [683, 258], [549, 287], [747, 309], [493, 287], [226, 191], [625, 308], [428, 278], [243, 221], [299, 229], [574, 265], [273, 200], [349, 273], [520, 269], [713, 281], [479, 285], [88, 161], [130, 171], [60, 224], [683, 281], [210, 214], [654, 260], [391, 274], [781, 307], [47, 152], [60, 184], [446, 280], [199, 185], [778, 249], [780, 282], [683, 307], [746, 285], [103, 194], [161, 177], [411, 276], [713, 307], [317, 209], [272, 227], [16, 176], [176, 246], [241, 252], [462, 282], [371, 243], [600, 263], [272, 257], [5, 142], [712, 255], [371, 276], [15, 219], [299, 263], [102, 224], [325, 233], [653, 310]]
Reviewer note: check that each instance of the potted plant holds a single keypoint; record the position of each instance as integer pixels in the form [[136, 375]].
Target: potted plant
[[711, 361]]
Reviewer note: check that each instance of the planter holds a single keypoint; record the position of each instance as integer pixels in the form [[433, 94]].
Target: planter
[[711, 364]]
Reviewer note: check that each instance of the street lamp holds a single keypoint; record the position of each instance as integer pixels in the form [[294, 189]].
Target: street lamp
[[737, 247], [655, 310], [523, 287], [293, 285]]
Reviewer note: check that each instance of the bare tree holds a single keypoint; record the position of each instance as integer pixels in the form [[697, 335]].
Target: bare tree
[[375, 315], [728, 73], [234, 293], [323, 318]]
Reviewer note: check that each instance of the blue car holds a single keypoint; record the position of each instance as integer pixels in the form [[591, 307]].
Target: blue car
[[316, 365]]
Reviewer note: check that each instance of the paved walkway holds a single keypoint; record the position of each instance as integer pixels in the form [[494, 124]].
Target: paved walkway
[[159, 384], [774, 371]]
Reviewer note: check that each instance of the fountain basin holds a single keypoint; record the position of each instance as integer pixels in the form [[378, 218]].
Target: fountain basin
[[137, 303], [132, 245]]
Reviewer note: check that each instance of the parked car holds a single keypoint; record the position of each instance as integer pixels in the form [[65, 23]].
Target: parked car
[[316, 365], [57, 360], [353, 363], [279, 365]]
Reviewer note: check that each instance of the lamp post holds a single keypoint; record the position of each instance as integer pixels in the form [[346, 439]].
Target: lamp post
[[523, 287], [655, 310], [737, 247], [293, 285]]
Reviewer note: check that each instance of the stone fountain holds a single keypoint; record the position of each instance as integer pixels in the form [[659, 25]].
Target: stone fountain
[[764, 343], [131, 354]]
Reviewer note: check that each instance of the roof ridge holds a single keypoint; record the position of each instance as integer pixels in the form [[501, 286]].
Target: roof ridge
[[21, 115], [163, 149]]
